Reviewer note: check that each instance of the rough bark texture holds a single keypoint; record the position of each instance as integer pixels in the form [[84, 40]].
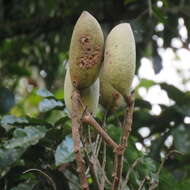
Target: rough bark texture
[[76, 140]]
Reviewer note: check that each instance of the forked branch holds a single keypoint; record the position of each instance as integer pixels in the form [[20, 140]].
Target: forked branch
[[88, 119]]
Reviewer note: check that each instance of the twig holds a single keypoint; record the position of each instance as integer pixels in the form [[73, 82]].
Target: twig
[[129, 172], [87, 118], [164, 160], [92, 168], [118, 160], [76, 139], [43, 173], [154, 185], [102, 170], [142, 183], [94, 173], [103, 166]]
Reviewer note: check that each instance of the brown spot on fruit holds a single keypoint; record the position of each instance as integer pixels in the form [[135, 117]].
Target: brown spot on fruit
[[84, 39], [115, 96], [87, 41]]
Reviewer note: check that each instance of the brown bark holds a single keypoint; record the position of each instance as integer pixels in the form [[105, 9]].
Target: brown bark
[[76, 140]]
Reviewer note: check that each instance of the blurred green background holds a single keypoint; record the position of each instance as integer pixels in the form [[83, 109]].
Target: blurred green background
[[34, 126]]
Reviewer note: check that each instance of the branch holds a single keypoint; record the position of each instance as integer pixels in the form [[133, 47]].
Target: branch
[[88, 119], [76, 139], [118, 160], [129, 172]]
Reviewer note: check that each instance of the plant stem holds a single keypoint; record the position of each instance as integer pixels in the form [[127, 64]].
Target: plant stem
[[76, 139], [118, 160], [88, 119]]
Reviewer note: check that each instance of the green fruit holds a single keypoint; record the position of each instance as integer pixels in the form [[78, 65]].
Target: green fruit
[[110, 98], [86, 51], [120, 58], [89, 96]]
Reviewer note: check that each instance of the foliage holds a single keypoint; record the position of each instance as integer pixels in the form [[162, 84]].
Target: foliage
[[34, 126]]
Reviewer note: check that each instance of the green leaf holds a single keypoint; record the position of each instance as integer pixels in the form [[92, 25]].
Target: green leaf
[[182, 139], [175, 94], [50, 104], [167, 181], [26, 137], [145, 83], [44, 93], [146, 167], [184, 185], [142, 104], [8, 121], [159, 14], [8, 157], [7, 100], [64, 152]]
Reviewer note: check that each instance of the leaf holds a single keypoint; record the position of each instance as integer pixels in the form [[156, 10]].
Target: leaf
[[182, 139], [8, 157], [159, 14], [8, 121], [50, 104], [15, 69], [14, 148], [157, 63], [142, 104], [166, 180], [175, 94], [145, 83], [7, 100], [184, 185], [44, 93], [26, 137], [146, 166], [64, 152], [183, 109]]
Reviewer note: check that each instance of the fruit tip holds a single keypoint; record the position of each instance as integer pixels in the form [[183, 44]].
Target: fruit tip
[[85, 13]]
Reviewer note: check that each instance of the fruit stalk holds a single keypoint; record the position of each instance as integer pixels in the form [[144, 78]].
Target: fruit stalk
[[76, 139]]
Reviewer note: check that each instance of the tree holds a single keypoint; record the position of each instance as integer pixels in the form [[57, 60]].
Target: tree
[[34, 129]]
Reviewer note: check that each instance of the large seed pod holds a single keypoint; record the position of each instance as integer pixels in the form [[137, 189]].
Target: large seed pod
[[89, 96], [120, 58], [110, 98], [86, 51]]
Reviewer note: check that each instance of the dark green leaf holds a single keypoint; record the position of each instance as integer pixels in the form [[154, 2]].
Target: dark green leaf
[[157, 12], [8, 121], [7, 100], [26, 137], [8, 157], [142, 104], [175, 94], [182, 139]]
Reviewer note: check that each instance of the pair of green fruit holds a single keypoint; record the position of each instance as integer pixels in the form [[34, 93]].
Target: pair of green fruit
[[111, 78]]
